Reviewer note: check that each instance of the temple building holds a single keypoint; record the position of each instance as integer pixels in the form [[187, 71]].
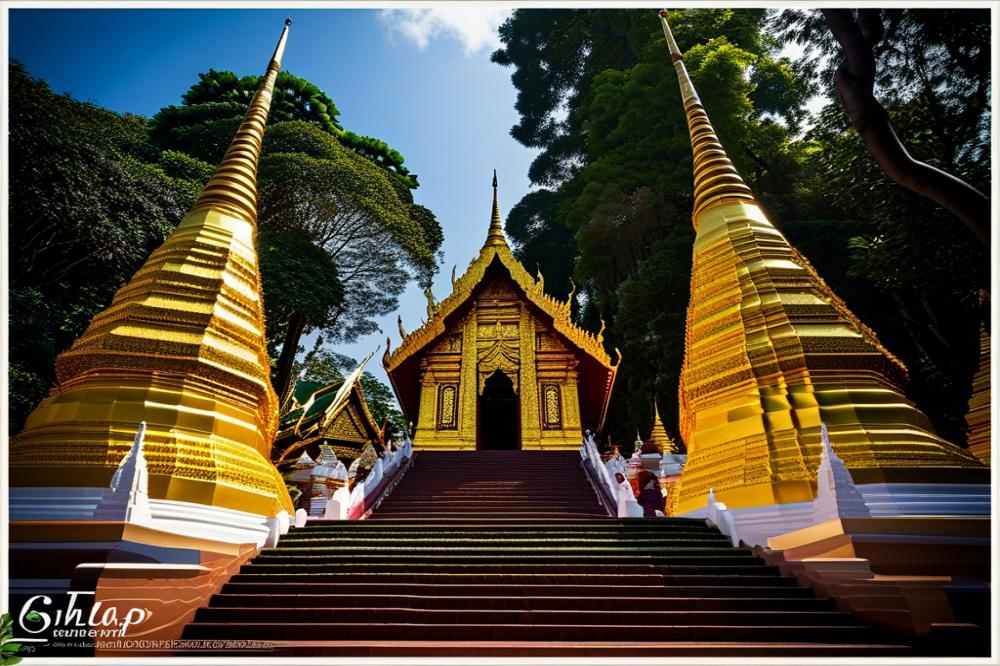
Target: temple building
[[499, 364], [336, 416], [182, 348], [771, 353]]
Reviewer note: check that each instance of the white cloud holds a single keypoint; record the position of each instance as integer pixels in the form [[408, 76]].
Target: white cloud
[[475, 28]]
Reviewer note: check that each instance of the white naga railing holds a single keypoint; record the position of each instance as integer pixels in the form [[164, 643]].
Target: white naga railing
[[836, 497], [358, 502], [618, 498]]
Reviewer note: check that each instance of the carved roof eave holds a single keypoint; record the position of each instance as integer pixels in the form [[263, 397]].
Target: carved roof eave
[[462, 288], [317, 424]]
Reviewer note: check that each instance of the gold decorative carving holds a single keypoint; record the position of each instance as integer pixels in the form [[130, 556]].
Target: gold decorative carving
[[447, 407], [346, 427], [978, 416], [498, 356], [553, 406]]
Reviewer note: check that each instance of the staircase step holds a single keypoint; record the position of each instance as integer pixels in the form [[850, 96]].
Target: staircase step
[[360, 614], [468, 515], [302, 544], [262, 585], [314, 631], [460, 564], [457, 564], [345, 547], [484, 600], [511, 553], [405, 535], [731, 581], [590, 650]]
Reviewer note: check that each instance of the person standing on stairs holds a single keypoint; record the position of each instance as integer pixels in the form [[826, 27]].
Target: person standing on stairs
[[649, 498]]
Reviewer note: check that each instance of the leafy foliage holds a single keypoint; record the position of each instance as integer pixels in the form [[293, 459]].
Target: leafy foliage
[[297, 277], [8, 647], [598, 95], [89, 200], [213, 107], [349, 208]]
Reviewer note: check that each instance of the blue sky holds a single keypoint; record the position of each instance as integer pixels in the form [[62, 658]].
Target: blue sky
[[421, 80]]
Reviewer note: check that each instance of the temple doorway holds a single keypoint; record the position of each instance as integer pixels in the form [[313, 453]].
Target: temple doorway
[[499, 418]]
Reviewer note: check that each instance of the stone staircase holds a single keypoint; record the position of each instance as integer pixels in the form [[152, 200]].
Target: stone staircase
[[509, 553]]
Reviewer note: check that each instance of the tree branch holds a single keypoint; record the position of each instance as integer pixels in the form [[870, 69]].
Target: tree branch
[[854, 82]]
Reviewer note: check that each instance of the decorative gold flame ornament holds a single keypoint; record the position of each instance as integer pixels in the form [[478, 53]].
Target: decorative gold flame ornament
[[498, 318], [182, 348], [771, 352]]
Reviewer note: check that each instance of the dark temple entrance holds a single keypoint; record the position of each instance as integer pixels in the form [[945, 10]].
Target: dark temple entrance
[[499, 421]]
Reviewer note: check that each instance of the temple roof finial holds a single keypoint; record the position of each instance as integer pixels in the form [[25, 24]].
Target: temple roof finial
[[495, 235]]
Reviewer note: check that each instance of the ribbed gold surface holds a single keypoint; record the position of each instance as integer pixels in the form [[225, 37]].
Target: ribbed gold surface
[[771, 352], [181, 347], [664, 443], [495, 235], [978, 416]]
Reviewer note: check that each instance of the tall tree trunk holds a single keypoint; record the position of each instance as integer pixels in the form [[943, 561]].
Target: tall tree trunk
[[283, 373], [855, 83]]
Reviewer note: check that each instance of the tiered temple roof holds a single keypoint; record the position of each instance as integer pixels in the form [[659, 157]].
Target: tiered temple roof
[[597, 370], [336, 414]]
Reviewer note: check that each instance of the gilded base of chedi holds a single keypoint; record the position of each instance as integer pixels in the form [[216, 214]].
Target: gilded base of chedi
[[179, 349], [771, 353]]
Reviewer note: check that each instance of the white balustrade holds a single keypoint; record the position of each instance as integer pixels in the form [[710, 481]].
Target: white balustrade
[[621, 493]]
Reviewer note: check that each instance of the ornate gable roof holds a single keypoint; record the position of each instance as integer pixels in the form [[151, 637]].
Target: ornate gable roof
[[496, 249], [533, 290], [322, 410]]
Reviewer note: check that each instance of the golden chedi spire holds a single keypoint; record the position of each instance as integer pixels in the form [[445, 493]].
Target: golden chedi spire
[[181, 347], [658, 435], [495, 235], [771, 352]]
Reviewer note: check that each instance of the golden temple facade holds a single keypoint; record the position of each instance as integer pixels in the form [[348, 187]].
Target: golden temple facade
[[499, 363], [182, 348], [771, 352]]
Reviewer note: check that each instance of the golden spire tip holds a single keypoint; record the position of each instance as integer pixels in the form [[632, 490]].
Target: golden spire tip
[[495, 234]]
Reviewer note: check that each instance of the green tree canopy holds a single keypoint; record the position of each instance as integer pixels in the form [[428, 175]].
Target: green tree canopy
[[214, 106], [89, 200], [350, 209], [598, 95]]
